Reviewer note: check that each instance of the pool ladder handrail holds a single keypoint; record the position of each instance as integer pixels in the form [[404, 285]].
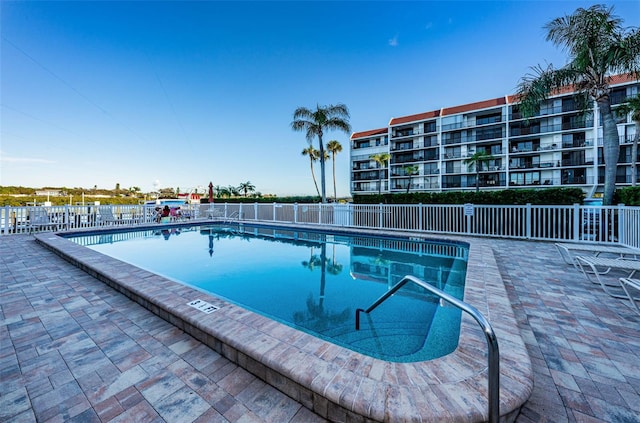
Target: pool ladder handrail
[[233, 216], [492, 341]]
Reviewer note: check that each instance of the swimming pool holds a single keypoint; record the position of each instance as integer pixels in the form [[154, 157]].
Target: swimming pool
[[311, 280], [335, 382]]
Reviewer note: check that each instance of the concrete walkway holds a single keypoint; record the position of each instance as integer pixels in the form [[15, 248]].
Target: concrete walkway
[[72, 349]]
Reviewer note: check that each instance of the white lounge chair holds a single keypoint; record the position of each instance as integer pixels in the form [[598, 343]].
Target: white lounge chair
[[569, 251], [593, 267], [39, 218], [214, 213], [634, 283], [105, 216]]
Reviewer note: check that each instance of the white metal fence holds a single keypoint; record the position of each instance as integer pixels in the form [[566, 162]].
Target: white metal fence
[[615, 224], [15, 220]]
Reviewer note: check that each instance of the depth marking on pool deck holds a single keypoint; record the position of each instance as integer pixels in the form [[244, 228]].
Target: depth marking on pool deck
[[203, 306]]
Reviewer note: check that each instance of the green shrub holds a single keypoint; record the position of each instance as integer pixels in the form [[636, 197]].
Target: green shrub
[[629, 196], [548, 196]]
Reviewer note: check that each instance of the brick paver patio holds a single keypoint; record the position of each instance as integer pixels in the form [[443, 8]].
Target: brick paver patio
[[73, 349]]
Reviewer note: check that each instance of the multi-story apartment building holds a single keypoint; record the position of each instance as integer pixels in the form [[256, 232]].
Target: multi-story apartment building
[[559, 147]]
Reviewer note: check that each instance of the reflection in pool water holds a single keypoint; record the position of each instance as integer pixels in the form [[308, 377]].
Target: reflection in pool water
[[312, 280]]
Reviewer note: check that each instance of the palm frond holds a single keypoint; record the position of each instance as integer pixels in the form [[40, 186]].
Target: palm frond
[[631, 105], [302, 113], [334, 146], [338, 123], [625, 56], [538, 85]]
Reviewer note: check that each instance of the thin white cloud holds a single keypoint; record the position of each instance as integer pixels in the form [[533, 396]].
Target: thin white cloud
[[393, 42], [9, 159]]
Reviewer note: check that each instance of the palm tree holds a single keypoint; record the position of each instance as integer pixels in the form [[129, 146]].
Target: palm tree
[[222, 191], [381, 159], [246, 187], [334, 148], [633, 106], [313, 156], [477, 160], [315, 122], [597, 45], [233, 191], [410, 170]]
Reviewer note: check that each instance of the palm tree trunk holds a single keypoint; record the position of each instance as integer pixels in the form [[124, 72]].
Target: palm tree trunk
[[323, 273], [335, 195], [611, 149], [634, 155], [379, 181], [322, 171], [313, 175]]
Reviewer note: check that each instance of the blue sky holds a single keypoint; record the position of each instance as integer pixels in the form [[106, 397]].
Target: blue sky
[[182, 93]]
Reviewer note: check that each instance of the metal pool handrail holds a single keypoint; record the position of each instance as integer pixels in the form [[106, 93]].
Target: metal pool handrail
[[492, 341]]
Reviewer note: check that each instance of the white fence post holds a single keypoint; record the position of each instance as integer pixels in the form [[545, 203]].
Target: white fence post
[[576, 222], [528, 220], [621, 225], [7, 220], [66, 217], [295, 212]]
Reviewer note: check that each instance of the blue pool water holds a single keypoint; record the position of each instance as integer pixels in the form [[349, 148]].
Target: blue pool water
[[312, 281]]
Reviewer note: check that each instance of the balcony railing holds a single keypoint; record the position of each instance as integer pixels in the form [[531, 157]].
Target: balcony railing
[[556, 110], [541, 165], [410, 159], [541, 129], [363, 167], [576, 180], [622, 139], [451, 156], [470, 124], [400, 133]]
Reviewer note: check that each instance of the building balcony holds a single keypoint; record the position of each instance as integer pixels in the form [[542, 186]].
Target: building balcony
[[542, 129], [473, 123], [373, 144], [576, 144], [621, 179], [576, 180], [547, 111], [622, 139], [410, 159], [365, 177], [541, 165], [401, 133], [574, 162], [403, 147], [491, 169], [546, 182], [451, 156]]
